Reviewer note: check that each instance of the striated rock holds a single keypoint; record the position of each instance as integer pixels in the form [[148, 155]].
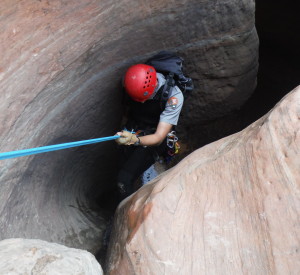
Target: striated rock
[[60, 70], [231, 207], [24, 256]]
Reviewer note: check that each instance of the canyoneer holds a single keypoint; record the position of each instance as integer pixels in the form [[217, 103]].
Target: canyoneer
[[153, 107]]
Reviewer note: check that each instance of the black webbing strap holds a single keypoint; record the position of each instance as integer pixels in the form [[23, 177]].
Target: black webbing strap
[[163, 93]]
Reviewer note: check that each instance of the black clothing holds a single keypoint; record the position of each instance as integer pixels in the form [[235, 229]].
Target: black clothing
[[137, 159], [134, 161], [143, 116]]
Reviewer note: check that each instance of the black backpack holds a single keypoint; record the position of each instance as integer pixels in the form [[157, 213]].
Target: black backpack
[[171, 66]]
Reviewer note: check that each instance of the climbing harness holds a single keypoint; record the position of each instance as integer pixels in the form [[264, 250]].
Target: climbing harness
[[171, 139], [44, 149], [173, 146]]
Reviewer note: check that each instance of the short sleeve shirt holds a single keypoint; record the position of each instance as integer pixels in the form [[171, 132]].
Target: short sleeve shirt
[[173, 105]]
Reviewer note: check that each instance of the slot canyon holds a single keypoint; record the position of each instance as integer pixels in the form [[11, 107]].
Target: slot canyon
[[230, 202]]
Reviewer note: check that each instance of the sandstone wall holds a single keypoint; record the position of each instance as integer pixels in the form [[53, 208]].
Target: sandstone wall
[[231, 207], [60, 69]]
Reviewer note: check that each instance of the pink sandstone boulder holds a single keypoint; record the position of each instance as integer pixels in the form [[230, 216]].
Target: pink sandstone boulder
[[231, 207]]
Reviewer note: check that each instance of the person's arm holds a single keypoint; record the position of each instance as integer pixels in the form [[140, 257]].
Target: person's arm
[[168, 118], [155, 139], [158, 137]]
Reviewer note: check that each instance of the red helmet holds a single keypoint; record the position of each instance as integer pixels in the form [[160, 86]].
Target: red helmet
[[140, 82]]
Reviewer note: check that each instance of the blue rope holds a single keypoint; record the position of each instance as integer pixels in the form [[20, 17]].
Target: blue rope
[[44, 149]]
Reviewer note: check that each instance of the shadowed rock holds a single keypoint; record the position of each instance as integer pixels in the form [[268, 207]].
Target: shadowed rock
[[231, 207], [60, 71]]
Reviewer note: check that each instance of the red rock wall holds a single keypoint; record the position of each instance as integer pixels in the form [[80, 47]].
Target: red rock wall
[[231, 207], [60, 70]]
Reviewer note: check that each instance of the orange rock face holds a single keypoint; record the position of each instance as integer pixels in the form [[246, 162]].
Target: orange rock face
[[231, 207]]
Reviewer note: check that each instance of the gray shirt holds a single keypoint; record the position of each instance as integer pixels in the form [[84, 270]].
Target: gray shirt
[[173, 105]]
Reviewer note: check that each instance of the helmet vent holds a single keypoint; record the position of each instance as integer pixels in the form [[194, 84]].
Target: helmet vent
[[140, 81]]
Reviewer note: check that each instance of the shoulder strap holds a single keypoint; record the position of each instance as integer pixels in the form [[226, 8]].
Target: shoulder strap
[[170, 83], [163, 93]]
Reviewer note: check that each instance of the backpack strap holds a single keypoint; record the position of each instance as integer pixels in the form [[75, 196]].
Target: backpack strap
[[163, 93], [170, 83]]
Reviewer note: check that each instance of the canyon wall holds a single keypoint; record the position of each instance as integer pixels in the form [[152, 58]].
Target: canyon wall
[[231, 207], [60, 71]]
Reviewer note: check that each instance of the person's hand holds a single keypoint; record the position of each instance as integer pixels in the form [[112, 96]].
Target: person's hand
[[126, 138]]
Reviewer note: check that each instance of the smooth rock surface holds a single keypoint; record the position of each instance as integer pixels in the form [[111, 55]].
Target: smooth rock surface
[[36, 257], [60, 70], [231, 207]]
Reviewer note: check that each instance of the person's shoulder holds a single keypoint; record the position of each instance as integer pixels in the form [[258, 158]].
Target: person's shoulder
[[177, 92], [175, 100], [160, 75]]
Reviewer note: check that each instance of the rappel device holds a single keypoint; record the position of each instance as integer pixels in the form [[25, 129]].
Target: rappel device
[[171, 139], [173, 146]]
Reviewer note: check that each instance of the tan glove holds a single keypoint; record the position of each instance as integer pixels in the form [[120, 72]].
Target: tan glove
[[127, 138]]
